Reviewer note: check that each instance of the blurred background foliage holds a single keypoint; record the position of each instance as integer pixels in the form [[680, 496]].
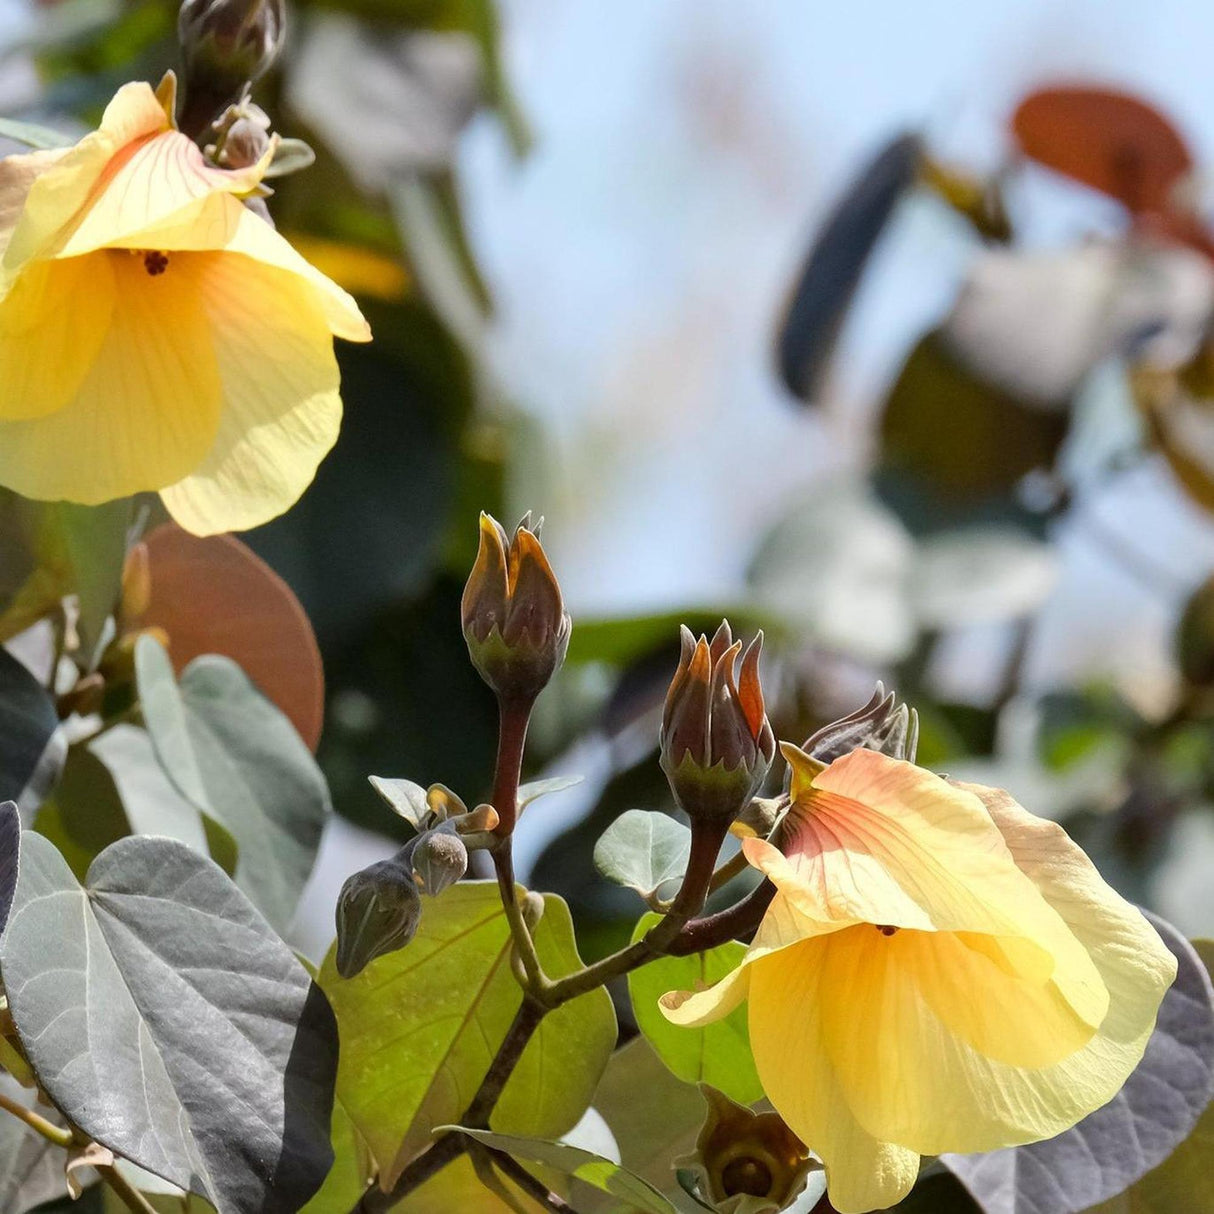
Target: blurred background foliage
[[929, 396]]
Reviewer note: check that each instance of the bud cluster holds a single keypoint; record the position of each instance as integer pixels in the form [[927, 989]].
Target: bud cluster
[[513, 616], [716, 742]]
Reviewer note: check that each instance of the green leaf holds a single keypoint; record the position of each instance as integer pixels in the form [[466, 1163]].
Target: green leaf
[[541, 788], [650, 1132], [420, 1026], [643, 850], [582, 1165], [406, 799], [352, 1168], [233, 754], [1111, 1148], [717, 1054], [92, 541], [32, 749], [33, 135], [156, 1002]]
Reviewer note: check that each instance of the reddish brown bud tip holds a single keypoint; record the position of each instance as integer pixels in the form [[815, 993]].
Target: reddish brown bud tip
[[716, 741], [512, 612]]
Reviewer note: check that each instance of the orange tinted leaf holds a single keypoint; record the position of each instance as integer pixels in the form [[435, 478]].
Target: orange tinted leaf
[[214, 595], [1108, 140]]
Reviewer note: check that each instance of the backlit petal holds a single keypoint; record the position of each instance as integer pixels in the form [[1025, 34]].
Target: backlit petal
[[147, 186], [52, 324], [148, 408], [787, 1038], [691, 1009], [17, 176], [882, 841], [57, 196], [281, 405]]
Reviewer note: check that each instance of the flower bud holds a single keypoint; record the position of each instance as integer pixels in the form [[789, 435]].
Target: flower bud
[[882, 724], [716, 742], [377, 913], [744, 1162], [230, 43], [440, 859], [513, 616]]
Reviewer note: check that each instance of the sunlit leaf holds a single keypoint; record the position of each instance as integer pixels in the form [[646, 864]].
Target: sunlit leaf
[[643, 850], [1111, 141], [1111, 1148], [581, 1165], [420, 1026], [31, 748], [836, 261], [718, 1054], [541, 788], [155, 1001], [234, 756], [214, 595]]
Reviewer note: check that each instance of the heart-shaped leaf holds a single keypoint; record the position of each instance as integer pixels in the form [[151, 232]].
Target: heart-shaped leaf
[[232, 754], [644, 850], [1109, 1149], [718, 1054], [31, 748], [582, 1165], [1184, 1181], [420, 1026], [166, 1019]]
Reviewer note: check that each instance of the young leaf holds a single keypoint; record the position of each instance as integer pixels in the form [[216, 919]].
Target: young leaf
[[420, 1027], [231, 753], [541, 788], [213, 594], [582, 1165], [31, 748], [406, 799], [156, 1002], [718, 1054], [643, 850], [1109, 1149]]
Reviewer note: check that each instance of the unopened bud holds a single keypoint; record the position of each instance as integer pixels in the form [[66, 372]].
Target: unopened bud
[[242, 136], [882, 724], [716, 741], [229, 43], [136, 584], [440, 859], [745, 1162], [513, 616], [377, 913]]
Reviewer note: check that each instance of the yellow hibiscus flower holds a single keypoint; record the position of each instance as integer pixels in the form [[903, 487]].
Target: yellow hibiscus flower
[[939, 971], [156, 334]]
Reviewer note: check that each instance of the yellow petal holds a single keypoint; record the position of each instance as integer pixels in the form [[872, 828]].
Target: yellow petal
[[879, 840], [59, 193], [149, 185], [692, 1009], [787, 1038], [147, 409], [220, 221], [17, 176], [52, 324], [281, 409]]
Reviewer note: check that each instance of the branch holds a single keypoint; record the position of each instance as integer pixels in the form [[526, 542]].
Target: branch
[[510, 1167], [40, 1125], [130, 1196]]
